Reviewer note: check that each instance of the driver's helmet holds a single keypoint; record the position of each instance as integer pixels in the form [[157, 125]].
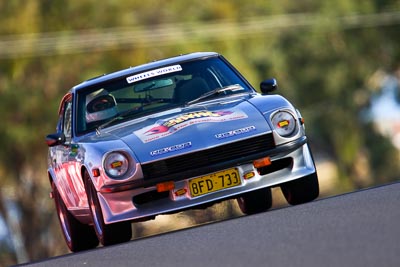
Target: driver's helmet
[[100, 105]]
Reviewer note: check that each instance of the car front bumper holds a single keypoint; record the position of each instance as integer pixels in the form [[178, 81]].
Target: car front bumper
[[289, 162]]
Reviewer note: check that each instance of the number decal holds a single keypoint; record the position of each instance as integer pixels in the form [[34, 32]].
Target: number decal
[[195, 188], [222, 180], [236, 181], [228, 177]]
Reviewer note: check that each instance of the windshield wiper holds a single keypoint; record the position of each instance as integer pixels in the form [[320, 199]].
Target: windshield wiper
[[119, 116], [217, 91]]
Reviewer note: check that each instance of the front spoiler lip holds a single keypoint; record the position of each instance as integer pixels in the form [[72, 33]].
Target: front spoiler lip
[[285, 148]]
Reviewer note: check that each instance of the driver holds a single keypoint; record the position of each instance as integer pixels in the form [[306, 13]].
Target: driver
[[100, 105]]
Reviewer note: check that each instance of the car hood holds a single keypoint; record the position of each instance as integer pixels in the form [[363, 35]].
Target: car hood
[[182, 130]]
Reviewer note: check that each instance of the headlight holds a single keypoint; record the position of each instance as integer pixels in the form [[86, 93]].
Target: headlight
[[284, 123], [116, 164]]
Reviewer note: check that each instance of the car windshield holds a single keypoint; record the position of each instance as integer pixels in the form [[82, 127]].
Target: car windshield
[[156, 90]]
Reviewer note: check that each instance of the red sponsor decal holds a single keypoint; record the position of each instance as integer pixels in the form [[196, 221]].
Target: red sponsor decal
[[165, 126]]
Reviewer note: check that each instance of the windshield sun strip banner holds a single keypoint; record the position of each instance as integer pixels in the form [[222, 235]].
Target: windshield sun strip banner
[[153, 73]]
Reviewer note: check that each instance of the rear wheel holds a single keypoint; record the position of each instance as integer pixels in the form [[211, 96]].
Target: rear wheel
[[302, 190], [108, 234], [77, 235], [255, 201]]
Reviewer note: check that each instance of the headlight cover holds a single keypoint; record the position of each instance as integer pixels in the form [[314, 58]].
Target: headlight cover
[[116, 164], [284, 123]]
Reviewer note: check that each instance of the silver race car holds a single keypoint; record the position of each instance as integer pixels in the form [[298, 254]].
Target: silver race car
[[175, 134]]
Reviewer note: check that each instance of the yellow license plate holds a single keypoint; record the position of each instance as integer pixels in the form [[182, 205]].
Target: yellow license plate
[[214, 182]]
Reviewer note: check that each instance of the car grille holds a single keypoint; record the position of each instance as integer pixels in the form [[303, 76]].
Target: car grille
[[208, 157]]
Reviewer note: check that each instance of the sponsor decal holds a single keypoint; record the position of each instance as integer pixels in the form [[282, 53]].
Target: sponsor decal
[[153, 73], [169, 126], [170, 149], [235, 132]]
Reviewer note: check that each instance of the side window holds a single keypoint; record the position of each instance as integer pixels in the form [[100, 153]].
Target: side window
[[67, 120]]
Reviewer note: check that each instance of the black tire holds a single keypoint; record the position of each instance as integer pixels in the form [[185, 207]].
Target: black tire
[[302, 190], [108, 234], [255, 201], [77, 235]]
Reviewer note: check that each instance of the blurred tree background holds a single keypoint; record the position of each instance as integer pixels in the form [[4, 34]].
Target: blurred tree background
[[326, 56]]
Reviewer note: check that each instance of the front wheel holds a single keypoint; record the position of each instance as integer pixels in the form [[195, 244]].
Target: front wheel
[[108, 234], [302, 190], [77, 235], [255, 201]]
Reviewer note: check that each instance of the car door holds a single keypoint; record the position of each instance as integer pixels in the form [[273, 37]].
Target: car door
[[67, 167]]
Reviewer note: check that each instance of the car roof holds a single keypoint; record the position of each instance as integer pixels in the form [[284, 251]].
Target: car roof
[[143, 67]]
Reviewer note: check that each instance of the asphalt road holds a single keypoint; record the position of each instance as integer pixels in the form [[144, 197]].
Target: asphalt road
[[356, 229]]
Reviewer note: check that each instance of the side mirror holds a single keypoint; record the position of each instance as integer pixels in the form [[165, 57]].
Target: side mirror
[[268, 86], [55, 139]]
